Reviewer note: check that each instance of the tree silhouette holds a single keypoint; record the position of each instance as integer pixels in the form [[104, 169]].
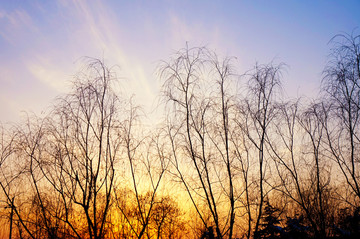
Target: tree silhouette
[[243, 160], [269, 223]]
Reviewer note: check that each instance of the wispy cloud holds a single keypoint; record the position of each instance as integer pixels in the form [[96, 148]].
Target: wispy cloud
[[41, 42], [93, 28], [50, 75], [93, 31], [15, 24], [105, 34]]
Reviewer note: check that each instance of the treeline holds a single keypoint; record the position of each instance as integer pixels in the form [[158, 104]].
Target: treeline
[[233, 158]]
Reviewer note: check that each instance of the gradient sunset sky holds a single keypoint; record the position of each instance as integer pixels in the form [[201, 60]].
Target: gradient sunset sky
[[42, 42]]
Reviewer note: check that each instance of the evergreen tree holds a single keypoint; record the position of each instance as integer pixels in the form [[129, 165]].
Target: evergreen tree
[[295, 229], [269, 227]]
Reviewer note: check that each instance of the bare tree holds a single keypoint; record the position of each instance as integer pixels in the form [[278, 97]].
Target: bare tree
[[31, 139], [70, 158], [318, 196], [8, 178], [196, 88], [288, 155], [167, 219], [147, 164], [302, 165], [83, 134], [242, 152], [341, 85], [14, 171], [258, 111]]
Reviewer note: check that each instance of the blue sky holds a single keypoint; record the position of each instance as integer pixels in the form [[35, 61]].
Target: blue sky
[[42, 42]]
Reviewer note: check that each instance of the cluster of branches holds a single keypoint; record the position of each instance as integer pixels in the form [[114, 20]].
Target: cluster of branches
[[245, 161], [85, 170], [252, 162]]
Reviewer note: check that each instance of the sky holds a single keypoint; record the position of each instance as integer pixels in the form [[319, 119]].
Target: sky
[[43, 43]]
